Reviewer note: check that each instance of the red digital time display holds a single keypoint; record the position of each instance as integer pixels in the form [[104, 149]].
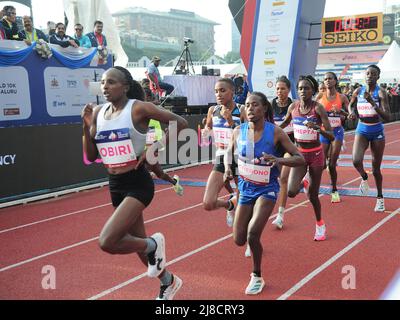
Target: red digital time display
[[351, 24]]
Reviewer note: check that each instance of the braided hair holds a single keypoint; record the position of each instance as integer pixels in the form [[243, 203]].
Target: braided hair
[[135, 89], [269, 113], [311, 80], [284, 80]]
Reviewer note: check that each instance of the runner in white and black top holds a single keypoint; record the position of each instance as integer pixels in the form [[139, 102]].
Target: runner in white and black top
[[221, 119], [116, 131], [280, 106]]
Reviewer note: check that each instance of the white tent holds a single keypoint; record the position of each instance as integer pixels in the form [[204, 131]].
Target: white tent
[[389, 64], [86, 12]]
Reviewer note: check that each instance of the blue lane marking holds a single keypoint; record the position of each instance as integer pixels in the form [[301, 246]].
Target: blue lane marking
[[369, 157], [389, 194], [369, 165], [356, 193]]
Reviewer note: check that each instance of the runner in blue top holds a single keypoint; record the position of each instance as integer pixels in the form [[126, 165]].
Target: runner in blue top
[[371, 104], [258, 143]]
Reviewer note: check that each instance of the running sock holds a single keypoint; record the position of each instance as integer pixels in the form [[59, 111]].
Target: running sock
[[380, 196], [166, 278], [151, 245], [257, 273], [320, 222], [281, 211], [364, 176]]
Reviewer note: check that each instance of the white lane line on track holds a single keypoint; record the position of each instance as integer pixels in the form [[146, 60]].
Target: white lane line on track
[[186, 255], [139, 277], [65, 215], [103, 205], [130, 281], [151, 220], [330, 261], [95, 238], [47, 254]]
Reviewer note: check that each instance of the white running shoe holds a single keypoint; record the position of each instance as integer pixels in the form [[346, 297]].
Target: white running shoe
[[247, 253], [364, 187], [177, 187], [320, 233], [380, 205], [256, 285], [306, 183], [278, 222], [168, 292], [230, 214], [157, 258]]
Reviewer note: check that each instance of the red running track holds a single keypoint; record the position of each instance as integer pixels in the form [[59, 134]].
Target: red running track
[[63, 232]]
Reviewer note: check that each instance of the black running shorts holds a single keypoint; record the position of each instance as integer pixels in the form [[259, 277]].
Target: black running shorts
[[220, 167], [137, 184]]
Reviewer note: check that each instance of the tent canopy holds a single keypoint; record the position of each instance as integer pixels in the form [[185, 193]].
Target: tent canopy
[[389, 64]]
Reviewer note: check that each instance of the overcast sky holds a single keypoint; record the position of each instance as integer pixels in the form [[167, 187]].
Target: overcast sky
[[215, 10]]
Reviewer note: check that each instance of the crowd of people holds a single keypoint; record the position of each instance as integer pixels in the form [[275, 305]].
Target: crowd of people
[[271, 151], [55, 31]]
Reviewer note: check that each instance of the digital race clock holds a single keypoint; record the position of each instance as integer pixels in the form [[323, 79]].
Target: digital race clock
[[350, 30]]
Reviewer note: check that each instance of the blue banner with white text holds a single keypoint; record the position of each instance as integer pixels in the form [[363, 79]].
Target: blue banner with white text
[[37, 90]]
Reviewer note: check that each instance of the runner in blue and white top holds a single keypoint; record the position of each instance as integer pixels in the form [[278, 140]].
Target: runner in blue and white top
[[116, 131], [258, 143], [221, 119], [371, 104]]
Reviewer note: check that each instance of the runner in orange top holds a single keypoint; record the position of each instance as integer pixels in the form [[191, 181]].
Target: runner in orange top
[[335, 105]]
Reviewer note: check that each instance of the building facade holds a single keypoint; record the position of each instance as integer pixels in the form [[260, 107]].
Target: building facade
[[168, 27]]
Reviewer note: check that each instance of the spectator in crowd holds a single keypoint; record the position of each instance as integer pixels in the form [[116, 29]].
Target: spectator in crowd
[[2, 31], [62, 39], [31, 34], [155, 77], [84, 41], [97, 38], [241, 88], [51, 28], [9, 23], [321, 88]]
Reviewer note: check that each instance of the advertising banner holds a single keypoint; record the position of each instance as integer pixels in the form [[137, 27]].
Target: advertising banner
[[40, 91], [14, 94], [352, 30], [273, 42]]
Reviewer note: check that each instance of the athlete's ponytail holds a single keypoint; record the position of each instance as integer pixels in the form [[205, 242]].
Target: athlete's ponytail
[[135, 89]]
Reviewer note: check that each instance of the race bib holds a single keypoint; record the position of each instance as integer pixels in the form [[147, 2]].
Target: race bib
[[115, 148], [334, 120], [288, 128], [254, 173], [366, 110], [304, 134], [222, 136]]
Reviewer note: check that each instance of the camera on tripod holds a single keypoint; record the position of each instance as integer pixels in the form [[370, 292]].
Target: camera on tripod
[[188, 40]]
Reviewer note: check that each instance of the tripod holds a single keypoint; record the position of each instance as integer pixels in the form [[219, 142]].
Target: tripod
[[187, 62]]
